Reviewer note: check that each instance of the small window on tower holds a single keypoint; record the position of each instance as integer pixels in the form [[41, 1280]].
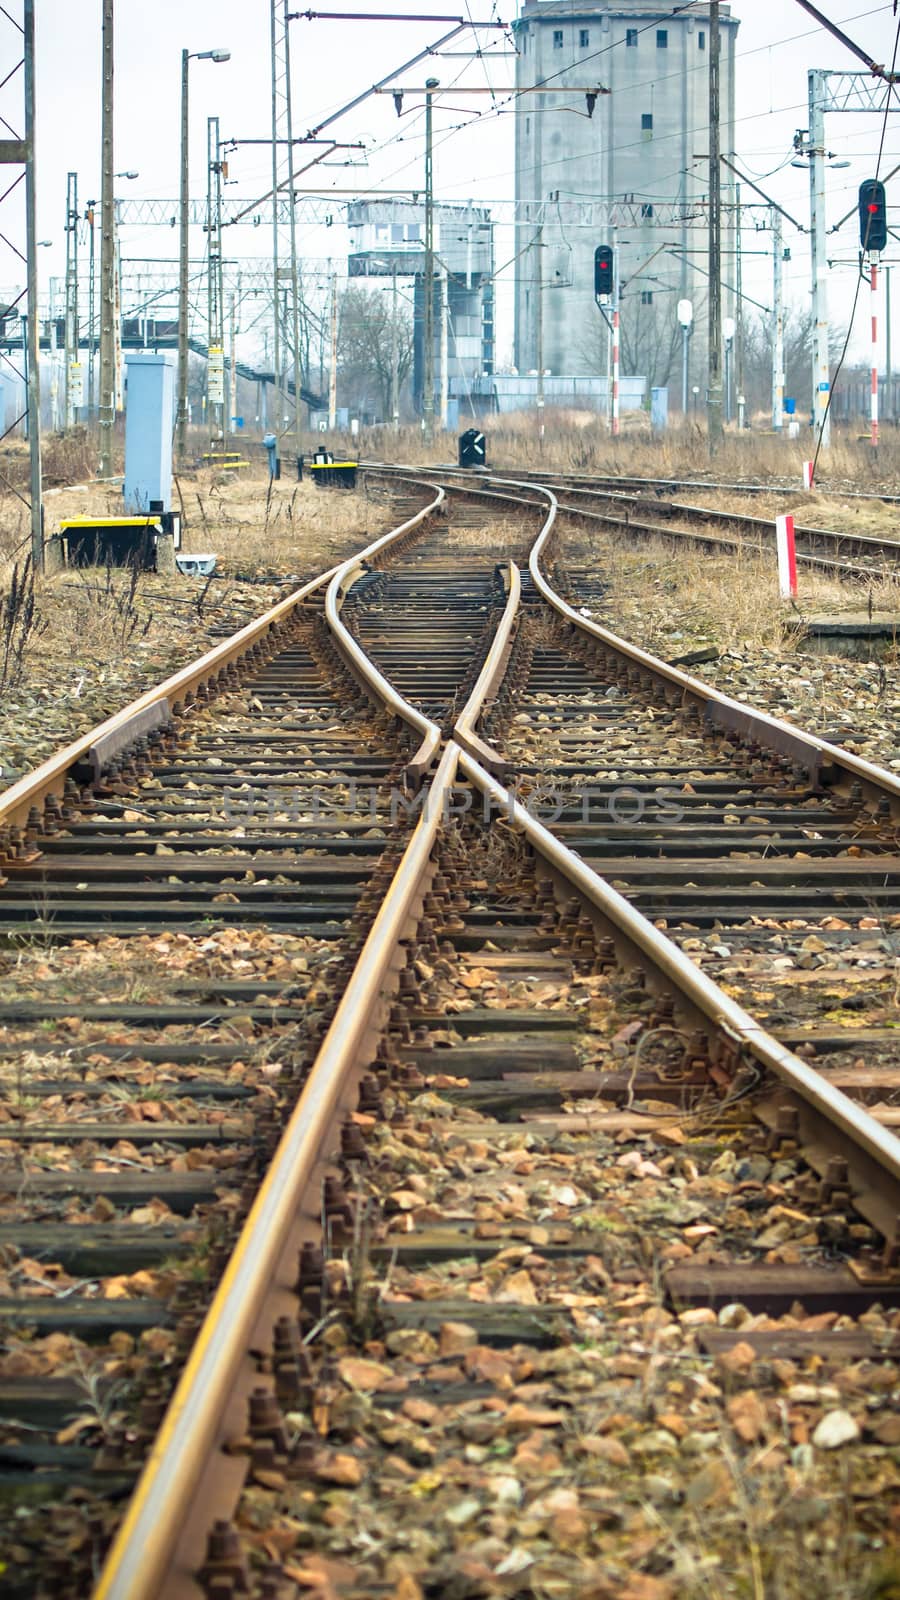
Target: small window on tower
[[584, 38], [527, 124], [557, 38], [701, 39], [662, 38], [646, 297], [631, 36]]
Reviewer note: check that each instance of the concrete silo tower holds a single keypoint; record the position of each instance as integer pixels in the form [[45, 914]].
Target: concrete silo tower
[[631, 166]]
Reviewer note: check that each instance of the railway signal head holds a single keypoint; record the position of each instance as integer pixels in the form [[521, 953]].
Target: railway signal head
[[603, 272], [872, 216]]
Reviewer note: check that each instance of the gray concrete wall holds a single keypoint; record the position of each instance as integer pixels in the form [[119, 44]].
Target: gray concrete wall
[[568, 166]]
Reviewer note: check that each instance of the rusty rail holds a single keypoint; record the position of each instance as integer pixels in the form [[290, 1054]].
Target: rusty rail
[[189, 1477], [373, 683], [804, 748], [162, 1540], [193, 680], [873, 1153], [160, 1543], [488, 682]]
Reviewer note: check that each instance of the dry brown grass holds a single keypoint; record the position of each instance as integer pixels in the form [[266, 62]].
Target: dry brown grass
[[285, 527], [501, 538], [659, 589], [580, 442]]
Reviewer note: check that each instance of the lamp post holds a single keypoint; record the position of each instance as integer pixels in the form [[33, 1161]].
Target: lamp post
[[428, 318], [184, 204], [685, 313]]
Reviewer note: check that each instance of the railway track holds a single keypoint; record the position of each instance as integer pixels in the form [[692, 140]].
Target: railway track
[[646, 509], [563, 1244]]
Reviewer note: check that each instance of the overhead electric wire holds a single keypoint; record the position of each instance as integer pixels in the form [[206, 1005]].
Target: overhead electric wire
[[508, 103]]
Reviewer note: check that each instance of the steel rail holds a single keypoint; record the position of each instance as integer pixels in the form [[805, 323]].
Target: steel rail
[[621, 484], [758, 536], [887, 550], [489, 680], [733, 715], [48, 778], [879, 1148], [805, 748], [161, 1542], [868, 543], [373, 682]]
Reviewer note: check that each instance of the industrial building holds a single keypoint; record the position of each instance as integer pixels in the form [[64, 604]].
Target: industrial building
[[630, 167], [387, 239]]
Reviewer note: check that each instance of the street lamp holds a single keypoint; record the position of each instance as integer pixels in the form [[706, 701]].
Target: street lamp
[[729, 328], [685, 313], [181, 427]]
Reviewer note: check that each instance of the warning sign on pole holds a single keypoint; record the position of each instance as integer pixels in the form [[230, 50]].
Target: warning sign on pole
[[787, 557], [215, 383]]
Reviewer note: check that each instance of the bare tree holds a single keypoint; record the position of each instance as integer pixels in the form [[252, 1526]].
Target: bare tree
[[366, 339], [798, 345], [650, 339]]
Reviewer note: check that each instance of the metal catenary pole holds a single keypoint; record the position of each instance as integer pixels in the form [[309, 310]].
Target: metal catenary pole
[[107, 257], [445, 348], [821, 411], [395, 352], [232, 372], [33, 386], [183, 219], [89, 216], [537, 248], [292, 231], [216, 311], [777, 323], [277, 400], [714, 382], [615, 335], [73, 393], [332, 371], [739, 313], [428, 280]]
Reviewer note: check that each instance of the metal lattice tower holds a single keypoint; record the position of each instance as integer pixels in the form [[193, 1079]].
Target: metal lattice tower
[[17, 152], [215, 294]]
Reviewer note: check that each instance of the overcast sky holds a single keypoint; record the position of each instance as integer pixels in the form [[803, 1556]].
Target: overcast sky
[[333, 61]]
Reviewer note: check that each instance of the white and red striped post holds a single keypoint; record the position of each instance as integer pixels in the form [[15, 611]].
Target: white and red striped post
[[614, 338], [874, 412], [807, 474], [787, 557], [615, 371]]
